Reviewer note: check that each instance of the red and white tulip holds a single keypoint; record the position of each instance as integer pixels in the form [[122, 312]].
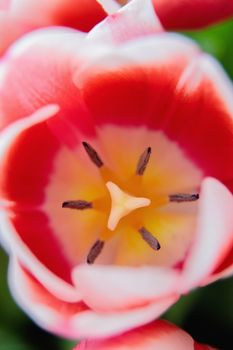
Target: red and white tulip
[[128, 125]]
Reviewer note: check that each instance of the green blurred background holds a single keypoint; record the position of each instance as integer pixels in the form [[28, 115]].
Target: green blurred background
[[207, 313]]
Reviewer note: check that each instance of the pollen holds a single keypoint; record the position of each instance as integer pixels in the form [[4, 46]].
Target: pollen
[[122, 204]]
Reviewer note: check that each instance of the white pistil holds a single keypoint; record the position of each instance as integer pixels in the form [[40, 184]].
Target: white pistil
[[122, 204]]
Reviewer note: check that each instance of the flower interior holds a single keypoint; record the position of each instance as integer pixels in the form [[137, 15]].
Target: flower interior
[[125, 197]]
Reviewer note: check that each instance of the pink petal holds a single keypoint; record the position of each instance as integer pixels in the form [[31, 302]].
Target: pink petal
[[106, 288], [22, 16], [214, 237], [95, 325], [188, 14], [82, 15], [45, 53], [48, 311], [224, 269], [5, 4], [159, 335], [110, 6], [11, 28], [132, 21]]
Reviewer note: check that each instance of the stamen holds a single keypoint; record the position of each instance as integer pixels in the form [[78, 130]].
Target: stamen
[[183, 197], [143, 161], [93, 155], [95, 251], [78, 204], [149, 238]]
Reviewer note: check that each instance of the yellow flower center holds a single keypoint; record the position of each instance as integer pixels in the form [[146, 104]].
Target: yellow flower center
[[131, 198]]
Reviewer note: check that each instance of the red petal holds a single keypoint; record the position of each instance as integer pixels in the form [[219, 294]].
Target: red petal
[[134, 84], [188, 14], [26, 147], [31, 150], [159, 335], [201, 118], [198, 346]]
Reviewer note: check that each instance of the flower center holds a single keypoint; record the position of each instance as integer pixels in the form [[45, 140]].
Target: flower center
[[123, 203]]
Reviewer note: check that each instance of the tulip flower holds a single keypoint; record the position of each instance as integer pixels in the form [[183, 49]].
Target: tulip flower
[[157, 335], [115, 172]]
